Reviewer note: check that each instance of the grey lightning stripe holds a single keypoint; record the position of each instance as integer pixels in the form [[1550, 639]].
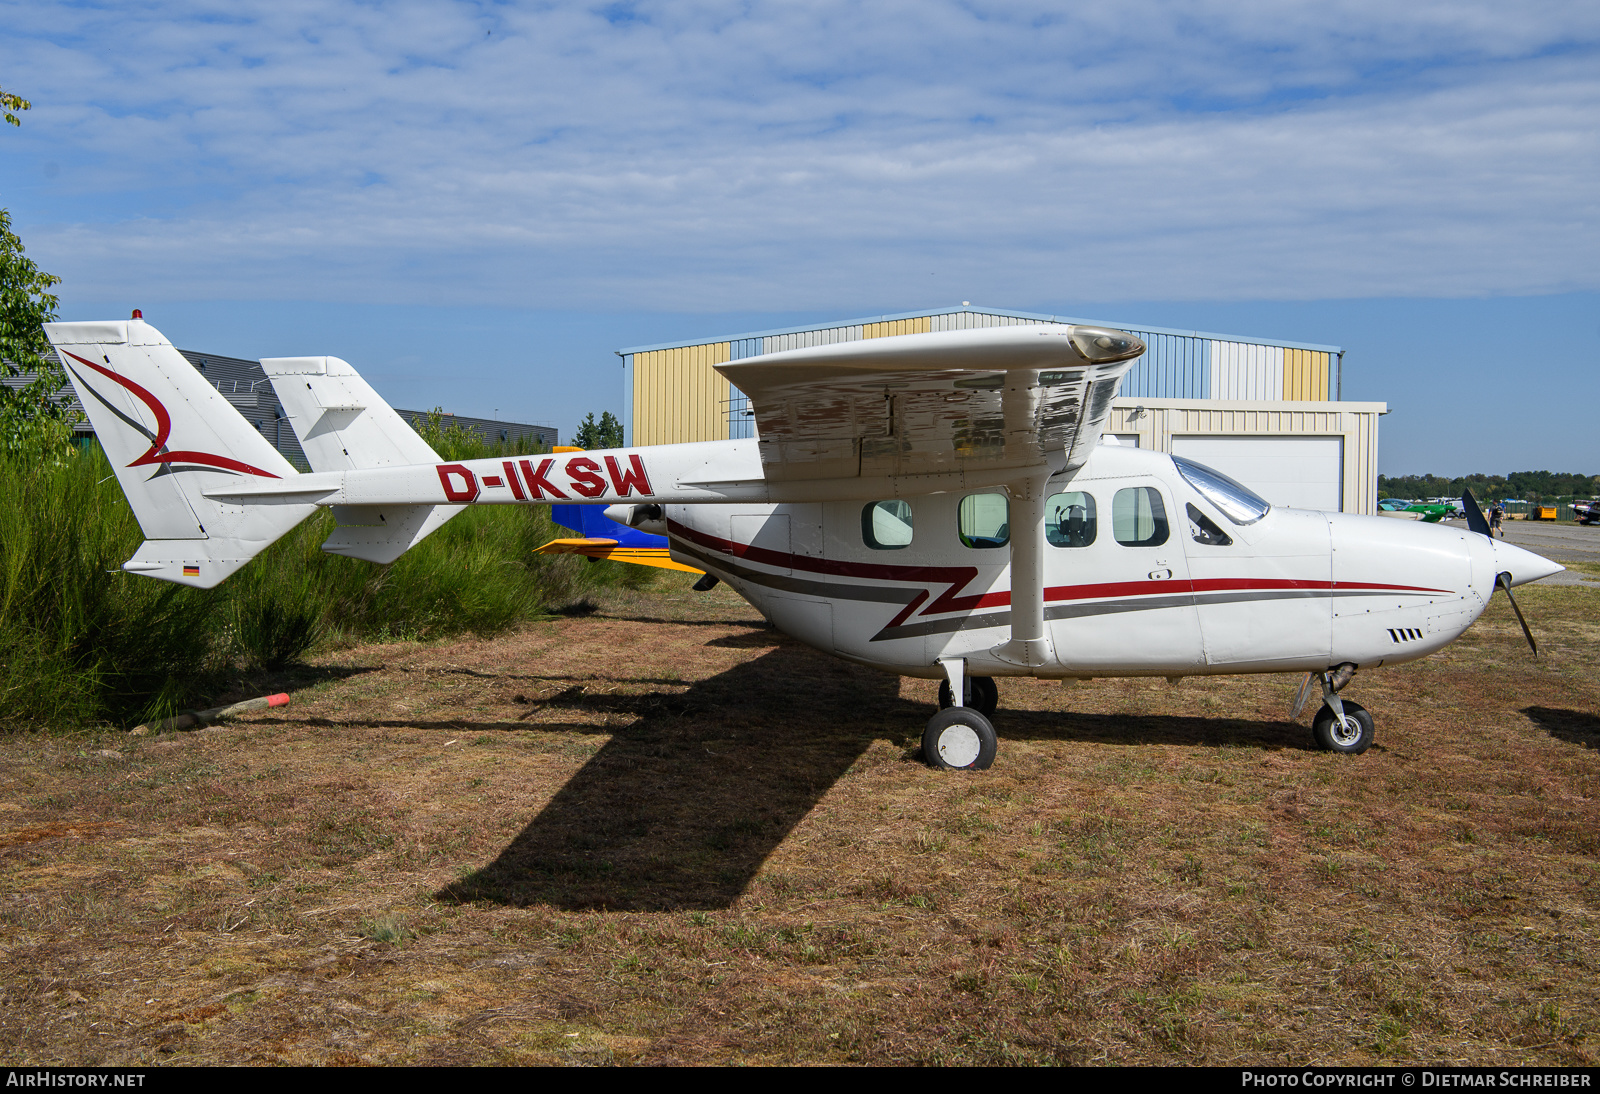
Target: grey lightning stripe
[[151, 437], [1085, 609], [164, 469], [1078, 610]]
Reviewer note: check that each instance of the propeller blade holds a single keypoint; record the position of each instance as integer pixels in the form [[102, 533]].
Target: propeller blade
[[1503, 581], [1475, 518]]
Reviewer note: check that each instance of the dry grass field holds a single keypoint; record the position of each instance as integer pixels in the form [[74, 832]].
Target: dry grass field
[[663, 833]]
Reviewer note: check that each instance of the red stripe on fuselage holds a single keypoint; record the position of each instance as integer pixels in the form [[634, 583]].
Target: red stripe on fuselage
[[957, 577], [1217, 584]]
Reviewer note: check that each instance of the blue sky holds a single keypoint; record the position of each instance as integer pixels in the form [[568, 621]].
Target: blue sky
[[475, 202]]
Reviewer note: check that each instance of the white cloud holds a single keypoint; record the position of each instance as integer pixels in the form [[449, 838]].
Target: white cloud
[[784, 155]]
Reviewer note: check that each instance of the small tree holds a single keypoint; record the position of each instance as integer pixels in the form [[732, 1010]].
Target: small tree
[[11, 104], [606, 433], [33, 418], [452, 442]]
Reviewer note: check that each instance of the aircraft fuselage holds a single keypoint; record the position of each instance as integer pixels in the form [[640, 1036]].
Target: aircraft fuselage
[[1132, 584]]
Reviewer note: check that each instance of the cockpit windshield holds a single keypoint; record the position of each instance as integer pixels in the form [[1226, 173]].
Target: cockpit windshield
[[1236, 501]]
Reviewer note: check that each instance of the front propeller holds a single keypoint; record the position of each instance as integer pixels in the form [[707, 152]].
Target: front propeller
[[1503, 579]]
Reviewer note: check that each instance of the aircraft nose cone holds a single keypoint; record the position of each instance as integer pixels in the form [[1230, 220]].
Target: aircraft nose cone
[[1523, 566]]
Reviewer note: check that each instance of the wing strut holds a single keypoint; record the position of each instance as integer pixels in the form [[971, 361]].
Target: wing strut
[[1029, 646]]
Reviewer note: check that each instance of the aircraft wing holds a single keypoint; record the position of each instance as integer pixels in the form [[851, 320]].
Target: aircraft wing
[[916, 404]]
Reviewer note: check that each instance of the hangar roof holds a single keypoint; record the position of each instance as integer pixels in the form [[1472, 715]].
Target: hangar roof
[[1137, 328]]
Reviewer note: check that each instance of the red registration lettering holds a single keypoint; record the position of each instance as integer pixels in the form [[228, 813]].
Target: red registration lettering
[[537, 482], [450, 471], [511, 477], [582, 471], [626, 482]]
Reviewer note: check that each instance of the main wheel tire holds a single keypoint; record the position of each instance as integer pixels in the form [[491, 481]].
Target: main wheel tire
[[959, 738], [1353, 737], [983, 695]]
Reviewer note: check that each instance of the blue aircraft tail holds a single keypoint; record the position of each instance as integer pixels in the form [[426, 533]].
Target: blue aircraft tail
[[606, 539], [591, 522]]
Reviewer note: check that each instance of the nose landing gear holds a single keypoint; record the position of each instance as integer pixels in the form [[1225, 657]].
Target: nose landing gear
[[1339, 726], [1349, 731]]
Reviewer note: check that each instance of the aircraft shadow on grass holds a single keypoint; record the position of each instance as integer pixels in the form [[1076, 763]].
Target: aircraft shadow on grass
[[680, 809], [1574, 726]]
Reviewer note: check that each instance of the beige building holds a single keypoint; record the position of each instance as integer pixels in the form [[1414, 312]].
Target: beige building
[[1265, 412]]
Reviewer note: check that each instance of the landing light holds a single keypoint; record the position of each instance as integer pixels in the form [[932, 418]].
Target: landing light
[[1104, 344]]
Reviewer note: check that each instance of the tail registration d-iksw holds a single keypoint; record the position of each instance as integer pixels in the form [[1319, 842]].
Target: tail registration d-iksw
[[934, 505]]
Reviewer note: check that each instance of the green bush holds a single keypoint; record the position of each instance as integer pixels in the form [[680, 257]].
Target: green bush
[[81, 641]]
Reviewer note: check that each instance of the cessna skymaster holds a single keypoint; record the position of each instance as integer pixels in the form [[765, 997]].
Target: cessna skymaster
[[933, 505]]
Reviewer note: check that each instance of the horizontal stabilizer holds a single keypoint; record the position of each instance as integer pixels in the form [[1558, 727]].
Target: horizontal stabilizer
[[382, 533]]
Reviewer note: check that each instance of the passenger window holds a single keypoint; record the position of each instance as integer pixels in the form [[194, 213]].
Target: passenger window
[[1069, 520], [985, 520], [886, 525], [1204, 529], [1138, 519]]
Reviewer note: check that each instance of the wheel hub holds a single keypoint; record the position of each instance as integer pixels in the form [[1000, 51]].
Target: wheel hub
[[959, 746], [1346, 730]]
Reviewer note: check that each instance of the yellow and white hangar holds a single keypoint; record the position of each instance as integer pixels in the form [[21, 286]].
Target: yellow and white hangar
[[1263, 411]]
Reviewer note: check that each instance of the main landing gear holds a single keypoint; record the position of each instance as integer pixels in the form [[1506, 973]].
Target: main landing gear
[[1339, 726], [962, 737], [982, 695]]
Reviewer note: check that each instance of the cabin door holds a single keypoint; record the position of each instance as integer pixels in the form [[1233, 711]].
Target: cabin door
[[1117, 581]]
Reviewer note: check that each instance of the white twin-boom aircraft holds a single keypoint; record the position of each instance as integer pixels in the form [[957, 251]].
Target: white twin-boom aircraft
[[933, 505]]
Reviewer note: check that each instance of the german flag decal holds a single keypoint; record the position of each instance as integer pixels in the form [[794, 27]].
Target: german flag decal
[[191, 571]]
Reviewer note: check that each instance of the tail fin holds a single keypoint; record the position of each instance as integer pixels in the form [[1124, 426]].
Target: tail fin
[[170, 435], [343, 425]]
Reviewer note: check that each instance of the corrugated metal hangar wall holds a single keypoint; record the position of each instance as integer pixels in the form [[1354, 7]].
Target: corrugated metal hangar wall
[[1259, 410]]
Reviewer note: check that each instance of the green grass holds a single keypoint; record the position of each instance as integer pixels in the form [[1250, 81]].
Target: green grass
[[83, 642]]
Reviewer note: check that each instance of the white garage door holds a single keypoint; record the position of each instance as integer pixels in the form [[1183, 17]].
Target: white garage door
[[1301, 472]]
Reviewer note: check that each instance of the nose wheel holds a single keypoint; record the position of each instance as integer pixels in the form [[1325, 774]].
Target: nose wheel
[[1349, 732]]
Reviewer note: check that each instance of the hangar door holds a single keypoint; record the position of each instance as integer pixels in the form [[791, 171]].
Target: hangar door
[[1298, 472]]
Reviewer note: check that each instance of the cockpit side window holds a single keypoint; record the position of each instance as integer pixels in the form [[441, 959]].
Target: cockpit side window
[[1205, 530], [1069, 519], [1138, 518], [887, 525], [1234, 500]]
